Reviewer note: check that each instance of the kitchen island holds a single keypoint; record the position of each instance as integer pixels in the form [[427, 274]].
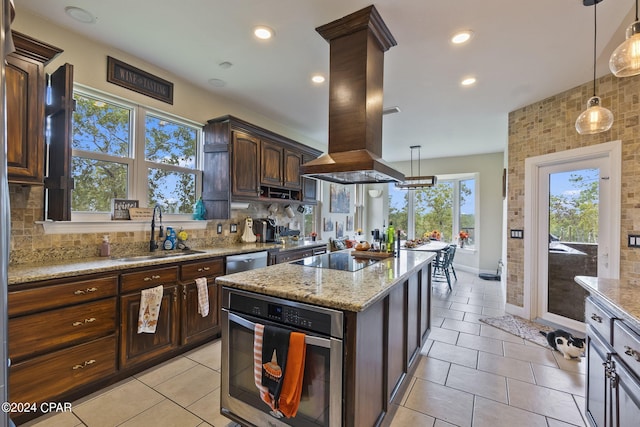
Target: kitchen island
[[385, 312]]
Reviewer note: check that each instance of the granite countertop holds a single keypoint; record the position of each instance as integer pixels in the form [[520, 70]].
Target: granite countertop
[[340, 290], [23, 273], [621, 297]]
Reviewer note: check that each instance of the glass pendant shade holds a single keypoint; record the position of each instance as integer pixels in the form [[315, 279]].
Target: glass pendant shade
[[625, 60], [594, 119]]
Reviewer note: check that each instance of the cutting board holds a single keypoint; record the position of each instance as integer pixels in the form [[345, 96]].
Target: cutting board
[[371, 254]]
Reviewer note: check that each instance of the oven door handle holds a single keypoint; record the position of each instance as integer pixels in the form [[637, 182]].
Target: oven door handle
[[309, 339]]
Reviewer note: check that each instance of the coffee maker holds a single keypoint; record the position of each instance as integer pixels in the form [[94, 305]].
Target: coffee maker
[[265, 230]]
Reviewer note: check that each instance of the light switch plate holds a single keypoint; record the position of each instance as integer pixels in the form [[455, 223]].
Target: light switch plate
[[517, 234], [634, 241], [233, 228], [219, 229]]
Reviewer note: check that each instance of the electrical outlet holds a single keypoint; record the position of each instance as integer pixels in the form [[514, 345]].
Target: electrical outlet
[[634, 241], [219, 229], [517, 234], [233, 228]]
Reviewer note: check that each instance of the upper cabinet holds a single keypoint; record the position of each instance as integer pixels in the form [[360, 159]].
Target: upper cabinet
[[246, 163], [25, 92]]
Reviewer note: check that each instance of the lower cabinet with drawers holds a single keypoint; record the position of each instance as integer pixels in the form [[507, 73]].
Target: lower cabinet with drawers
[[613, 367], [69, 337]]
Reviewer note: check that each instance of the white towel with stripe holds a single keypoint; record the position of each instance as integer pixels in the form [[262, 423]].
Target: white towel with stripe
[[150, 301], [203, 296]]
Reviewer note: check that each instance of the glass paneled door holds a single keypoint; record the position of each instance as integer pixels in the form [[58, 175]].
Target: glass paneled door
[[573, 235], [573, 239]]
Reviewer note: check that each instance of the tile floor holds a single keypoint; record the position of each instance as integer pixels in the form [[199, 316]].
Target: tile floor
[[470, 374]]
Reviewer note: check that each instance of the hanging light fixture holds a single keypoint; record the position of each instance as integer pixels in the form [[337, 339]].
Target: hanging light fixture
[[594, 119], [415, 182], [625, 60]]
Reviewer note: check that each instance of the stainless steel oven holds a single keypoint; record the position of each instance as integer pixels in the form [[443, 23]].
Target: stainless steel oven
[[321, 400]]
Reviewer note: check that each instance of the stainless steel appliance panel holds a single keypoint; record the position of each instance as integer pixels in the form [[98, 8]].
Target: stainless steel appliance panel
[[245, 262]]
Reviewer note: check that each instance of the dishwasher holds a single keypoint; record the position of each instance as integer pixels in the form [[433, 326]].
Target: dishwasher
[[244, 262]]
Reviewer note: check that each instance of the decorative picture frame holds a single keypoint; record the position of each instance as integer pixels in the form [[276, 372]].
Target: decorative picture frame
[[349, 226], [339, 198], [339, 229], [327, 224], [120, 208]]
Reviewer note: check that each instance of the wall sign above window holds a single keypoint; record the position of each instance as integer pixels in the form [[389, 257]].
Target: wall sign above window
[[137, 80]]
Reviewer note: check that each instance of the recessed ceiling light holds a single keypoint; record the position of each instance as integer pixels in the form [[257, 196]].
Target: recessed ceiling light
[[80, 15], [217, 82], [462, 37], [318, 78], [468, 81], [263, 33]]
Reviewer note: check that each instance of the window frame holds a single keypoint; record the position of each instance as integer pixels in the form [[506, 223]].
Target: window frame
[[455, 210], [138, 165]]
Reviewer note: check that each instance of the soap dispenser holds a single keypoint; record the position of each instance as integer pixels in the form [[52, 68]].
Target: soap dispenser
[[105, 249]]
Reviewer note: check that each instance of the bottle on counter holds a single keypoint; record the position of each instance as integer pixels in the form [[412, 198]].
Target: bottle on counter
[[105, 248], [170, 240], [391, 232]]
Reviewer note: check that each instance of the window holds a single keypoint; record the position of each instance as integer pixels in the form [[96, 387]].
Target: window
[[448, 207], [122, 150]]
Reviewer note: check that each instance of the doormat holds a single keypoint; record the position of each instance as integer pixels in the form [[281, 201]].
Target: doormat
[[520, 327]]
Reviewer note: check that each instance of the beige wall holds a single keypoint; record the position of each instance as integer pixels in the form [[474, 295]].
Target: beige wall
[[489, 168], [549, 126]]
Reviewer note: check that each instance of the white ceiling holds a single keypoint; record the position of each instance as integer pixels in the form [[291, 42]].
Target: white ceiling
[[522, 52]]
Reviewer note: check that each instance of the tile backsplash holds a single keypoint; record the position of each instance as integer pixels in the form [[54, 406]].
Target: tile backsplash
[[30, 244]]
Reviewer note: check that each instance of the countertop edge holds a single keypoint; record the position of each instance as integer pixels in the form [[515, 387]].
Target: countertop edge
[[260, 282], [25, 273], [619, 297]]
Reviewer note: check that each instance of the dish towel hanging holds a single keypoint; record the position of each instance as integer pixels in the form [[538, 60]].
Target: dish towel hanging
[[258, 336], [150, 301], [203, 296], [293, 375]]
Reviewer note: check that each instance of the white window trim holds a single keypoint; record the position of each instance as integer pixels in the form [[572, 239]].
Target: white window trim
[[96, 222]]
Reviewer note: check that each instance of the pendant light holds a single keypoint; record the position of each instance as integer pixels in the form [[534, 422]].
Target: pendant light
[[594, 119], [415, 182], [625, 60]]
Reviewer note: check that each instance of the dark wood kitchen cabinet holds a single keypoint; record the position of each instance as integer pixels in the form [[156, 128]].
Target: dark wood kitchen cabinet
[[69, 337], [62, 336], [136, 348], [246, 165], [195, 327], [309, 187], [25, 93], [244, 162], [279, 166]]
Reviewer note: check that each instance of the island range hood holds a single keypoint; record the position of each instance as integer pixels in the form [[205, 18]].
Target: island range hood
[[357, 45]]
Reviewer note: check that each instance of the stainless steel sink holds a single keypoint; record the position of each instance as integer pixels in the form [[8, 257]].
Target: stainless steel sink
[[158, 255]]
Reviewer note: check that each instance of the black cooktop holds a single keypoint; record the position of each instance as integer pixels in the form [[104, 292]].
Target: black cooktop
[[336, 261]]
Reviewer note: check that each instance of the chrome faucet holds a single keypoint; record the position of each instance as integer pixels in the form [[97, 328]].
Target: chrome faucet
[[153, 243]]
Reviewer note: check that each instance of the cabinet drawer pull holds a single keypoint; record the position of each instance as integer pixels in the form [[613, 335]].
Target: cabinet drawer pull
[[631, 352], [153, 277], [596, 318], [86, 363], [204, 269], [84, 291], [89, 320]]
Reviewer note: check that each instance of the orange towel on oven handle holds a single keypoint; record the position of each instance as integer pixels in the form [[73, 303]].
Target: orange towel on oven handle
[[293, 375]]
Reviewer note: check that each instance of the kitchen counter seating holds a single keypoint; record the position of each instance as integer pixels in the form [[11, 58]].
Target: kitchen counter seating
[[73, 325], [386, 308]]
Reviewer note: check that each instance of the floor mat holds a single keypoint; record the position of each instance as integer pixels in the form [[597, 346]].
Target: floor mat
[[520, 327]]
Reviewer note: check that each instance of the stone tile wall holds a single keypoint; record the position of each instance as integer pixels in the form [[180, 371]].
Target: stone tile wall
[[29, 243], [549, 126]]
